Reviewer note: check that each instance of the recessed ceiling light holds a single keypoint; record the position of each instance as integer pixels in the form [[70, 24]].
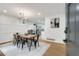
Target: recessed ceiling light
[[38, 14], [5, 11]]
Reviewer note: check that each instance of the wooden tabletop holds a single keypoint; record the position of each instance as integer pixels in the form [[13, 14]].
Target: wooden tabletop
[[28, 36]]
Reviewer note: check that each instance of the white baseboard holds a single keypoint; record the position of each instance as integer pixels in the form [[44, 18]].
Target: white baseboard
[[55, 41]]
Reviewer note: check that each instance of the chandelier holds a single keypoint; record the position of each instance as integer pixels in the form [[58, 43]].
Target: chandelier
[[22, 17]]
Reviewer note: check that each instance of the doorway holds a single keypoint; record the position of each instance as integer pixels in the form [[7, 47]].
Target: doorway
[[72, 25]]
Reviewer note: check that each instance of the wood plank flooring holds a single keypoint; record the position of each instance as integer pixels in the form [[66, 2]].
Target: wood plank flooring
[[55, 49]]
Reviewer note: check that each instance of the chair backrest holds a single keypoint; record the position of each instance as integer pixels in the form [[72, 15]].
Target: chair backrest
[[18, 37], [15, 36]]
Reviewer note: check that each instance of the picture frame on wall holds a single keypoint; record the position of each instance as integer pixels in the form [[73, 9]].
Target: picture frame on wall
[[55, 22]]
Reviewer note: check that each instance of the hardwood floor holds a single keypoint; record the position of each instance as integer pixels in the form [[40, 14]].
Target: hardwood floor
[[5, 42], [1, 54], [55, 49]]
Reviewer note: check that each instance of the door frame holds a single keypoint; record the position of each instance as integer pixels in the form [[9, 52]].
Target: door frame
[[67, 26]]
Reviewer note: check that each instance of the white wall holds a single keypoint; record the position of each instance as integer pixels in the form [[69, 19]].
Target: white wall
[[55, 33], [10, 25]]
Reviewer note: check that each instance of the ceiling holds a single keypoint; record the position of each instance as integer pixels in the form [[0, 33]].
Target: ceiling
[[45, 9]]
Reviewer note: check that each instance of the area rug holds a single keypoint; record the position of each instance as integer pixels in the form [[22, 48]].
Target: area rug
[[12, 50]]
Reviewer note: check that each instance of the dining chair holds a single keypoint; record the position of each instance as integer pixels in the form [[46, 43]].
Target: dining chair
[[18, 40], [30, 41], [14, 39], [36, 40], [24, 41]]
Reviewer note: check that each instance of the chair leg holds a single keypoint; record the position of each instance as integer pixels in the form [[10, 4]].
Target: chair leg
[[31, 43], [38, 44], [14, 42], [35, 43], [23, 43], [30, 46], [27, 44], [17, 43]]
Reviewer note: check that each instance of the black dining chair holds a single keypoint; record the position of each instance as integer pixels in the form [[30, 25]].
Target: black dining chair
[[30, 41], [36, 41], [24, 41], [18, 40]]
